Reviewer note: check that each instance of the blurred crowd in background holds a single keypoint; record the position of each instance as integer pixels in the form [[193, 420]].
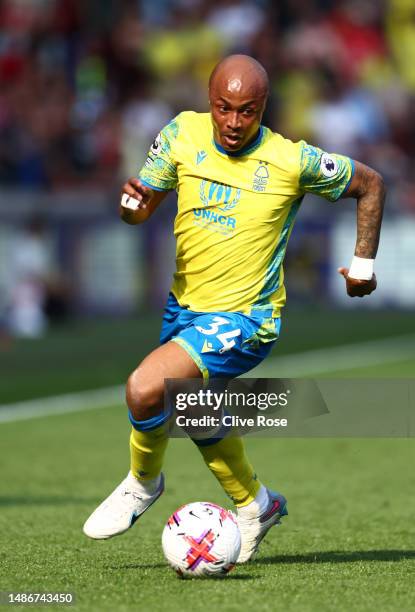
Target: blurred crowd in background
[[85, 86]]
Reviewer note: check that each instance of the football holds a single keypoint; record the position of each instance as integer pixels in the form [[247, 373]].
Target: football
[[201, 539]]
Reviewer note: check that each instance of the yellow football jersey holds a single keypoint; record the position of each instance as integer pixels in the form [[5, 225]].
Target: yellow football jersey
[[236, 210]]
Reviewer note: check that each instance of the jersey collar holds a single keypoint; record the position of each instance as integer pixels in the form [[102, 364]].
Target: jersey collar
[[249, 148]]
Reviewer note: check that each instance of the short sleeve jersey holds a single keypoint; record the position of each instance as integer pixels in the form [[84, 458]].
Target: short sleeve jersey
[[236, 211]]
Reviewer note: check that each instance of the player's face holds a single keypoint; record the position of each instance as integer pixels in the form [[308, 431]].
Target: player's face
[[236, 118]]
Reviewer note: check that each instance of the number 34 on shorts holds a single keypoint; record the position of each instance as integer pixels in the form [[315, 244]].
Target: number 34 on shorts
[[222, 344], [225, 338]]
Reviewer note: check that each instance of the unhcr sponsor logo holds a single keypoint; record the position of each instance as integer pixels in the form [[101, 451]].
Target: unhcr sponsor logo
[[219, 195], [217, 199], [209, 216]]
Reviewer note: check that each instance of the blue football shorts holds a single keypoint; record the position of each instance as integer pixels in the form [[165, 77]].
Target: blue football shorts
[[222, 344]]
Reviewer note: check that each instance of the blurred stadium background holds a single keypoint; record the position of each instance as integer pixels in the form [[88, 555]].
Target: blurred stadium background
[[84, 88]]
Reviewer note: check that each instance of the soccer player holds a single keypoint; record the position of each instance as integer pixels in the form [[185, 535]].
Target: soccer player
[[239, 188]]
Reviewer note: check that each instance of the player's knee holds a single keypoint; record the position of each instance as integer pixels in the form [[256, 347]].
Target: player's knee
[[143, 397]]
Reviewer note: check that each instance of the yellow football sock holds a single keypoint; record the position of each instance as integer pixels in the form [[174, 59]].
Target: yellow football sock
[[147, 452], [228, 462]]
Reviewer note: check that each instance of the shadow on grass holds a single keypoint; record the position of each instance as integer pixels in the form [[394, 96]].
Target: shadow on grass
[[45, 500], [138, 566], [337, 556]]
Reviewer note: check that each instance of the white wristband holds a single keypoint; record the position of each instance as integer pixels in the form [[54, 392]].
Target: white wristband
[[129, 202], [361, 268]]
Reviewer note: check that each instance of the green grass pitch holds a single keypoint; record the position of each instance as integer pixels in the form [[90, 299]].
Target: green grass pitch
[[347, 543]]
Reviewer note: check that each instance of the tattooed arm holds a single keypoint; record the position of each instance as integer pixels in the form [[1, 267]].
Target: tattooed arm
[[368, 188]]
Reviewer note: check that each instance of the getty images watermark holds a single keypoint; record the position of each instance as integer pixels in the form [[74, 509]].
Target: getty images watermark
[[238, 406], [290, 407], [221, 401]]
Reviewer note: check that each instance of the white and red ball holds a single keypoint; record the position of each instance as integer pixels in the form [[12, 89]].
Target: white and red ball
[[201, 539]]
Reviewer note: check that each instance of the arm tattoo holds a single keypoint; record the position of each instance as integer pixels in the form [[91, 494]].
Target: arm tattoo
[[370, 194]]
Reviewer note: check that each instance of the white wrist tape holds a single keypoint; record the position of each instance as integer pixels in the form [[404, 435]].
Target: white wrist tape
[[361, 268], [129, 202]]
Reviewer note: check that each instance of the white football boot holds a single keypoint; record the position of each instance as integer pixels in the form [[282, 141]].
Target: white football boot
[[123, 507], [255, 519]]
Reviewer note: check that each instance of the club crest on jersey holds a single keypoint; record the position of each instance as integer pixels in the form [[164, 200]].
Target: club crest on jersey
[[328, 165], [261, 177]]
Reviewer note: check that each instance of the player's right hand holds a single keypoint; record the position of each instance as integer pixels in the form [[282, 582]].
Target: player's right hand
[[135, 195]]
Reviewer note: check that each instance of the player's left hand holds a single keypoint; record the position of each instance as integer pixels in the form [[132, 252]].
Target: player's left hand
[[356, 287]]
